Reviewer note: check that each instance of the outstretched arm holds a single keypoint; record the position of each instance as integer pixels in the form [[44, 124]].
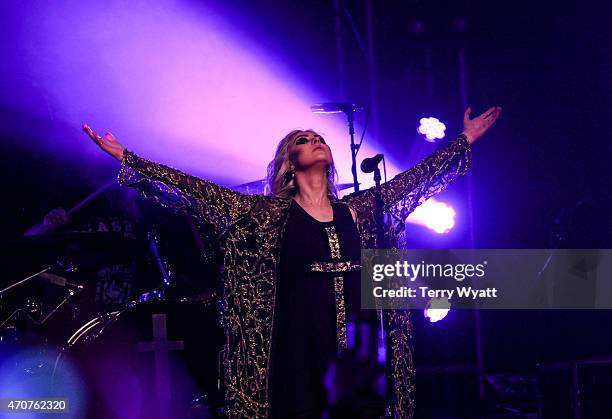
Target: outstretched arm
[[414, 186], [169, 187], [430, 176]]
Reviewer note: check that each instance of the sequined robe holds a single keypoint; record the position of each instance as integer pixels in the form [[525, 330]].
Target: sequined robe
[[250, 228]]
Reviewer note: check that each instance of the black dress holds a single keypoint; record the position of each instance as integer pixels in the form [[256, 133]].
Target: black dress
[[306, 336], [248, 228]]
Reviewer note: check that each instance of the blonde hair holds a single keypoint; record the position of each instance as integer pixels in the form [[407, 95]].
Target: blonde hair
[[280, 178]]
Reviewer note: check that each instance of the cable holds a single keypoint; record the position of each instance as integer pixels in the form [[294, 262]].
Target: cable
[[365, 127]]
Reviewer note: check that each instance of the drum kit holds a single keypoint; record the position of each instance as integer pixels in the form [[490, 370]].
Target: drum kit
[[137, 344], [156, 354]]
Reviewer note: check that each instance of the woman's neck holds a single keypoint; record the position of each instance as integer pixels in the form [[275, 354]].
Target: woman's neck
[[311, 189]]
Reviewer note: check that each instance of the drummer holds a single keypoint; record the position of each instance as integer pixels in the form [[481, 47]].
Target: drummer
[[116, 213]]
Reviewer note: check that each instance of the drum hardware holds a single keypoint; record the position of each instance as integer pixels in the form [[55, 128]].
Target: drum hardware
[[44, 274], [64, 301], [33, 308], [153, 239], [203, 298], [102, 258], [163, 266], [82, 332], [155, 295], [60, 281], [27, 311], [24, 280], [105, 318], [169, 347], [198, 328]]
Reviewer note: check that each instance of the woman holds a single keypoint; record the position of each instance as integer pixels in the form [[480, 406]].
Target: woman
[[283, 246]]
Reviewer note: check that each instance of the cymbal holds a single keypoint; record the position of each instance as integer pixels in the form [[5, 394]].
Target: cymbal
[[343, 186], [253, 184]]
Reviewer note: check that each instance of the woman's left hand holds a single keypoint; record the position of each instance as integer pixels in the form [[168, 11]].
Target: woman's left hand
[[475, 128]]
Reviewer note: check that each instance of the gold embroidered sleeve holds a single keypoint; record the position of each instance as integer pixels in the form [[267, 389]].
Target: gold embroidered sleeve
[[171, 188], [414, 186]]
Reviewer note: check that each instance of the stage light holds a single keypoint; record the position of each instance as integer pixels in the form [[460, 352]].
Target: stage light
[[437, 309], [156, 90], [435, 314], [431, 128], [30, 373], [435, 215]]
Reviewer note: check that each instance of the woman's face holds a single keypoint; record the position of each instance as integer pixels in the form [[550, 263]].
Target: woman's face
[[308, 149]]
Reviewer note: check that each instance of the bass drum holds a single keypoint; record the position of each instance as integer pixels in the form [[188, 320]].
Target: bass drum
[[152, 360]]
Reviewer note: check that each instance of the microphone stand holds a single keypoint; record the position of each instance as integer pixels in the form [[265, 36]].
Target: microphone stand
[[378, 214], [349, 110], [384, 315], [350, 116]]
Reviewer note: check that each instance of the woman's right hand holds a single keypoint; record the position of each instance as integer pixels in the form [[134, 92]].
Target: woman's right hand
[[108, 143]]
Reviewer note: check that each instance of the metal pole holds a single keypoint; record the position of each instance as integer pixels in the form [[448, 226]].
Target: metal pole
[[338, 4], [372, 68]]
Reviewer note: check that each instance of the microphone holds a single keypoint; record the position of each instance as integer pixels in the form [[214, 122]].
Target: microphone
[[336, 107], [371, 163]]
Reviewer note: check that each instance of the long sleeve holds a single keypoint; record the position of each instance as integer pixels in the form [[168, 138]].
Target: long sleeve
[[171, 188], [401, 195], [414, 186]]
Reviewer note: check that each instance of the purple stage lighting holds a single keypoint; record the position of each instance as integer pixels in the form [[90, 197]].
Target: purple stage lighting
[[437, 309], [436, 314], [175, 83], [435, 215], [32, 373], [432, 128]]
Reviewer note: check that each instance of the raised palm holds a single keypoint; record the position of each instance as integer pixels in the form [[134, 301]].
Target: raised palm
[[475, 128], [108, 143]]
